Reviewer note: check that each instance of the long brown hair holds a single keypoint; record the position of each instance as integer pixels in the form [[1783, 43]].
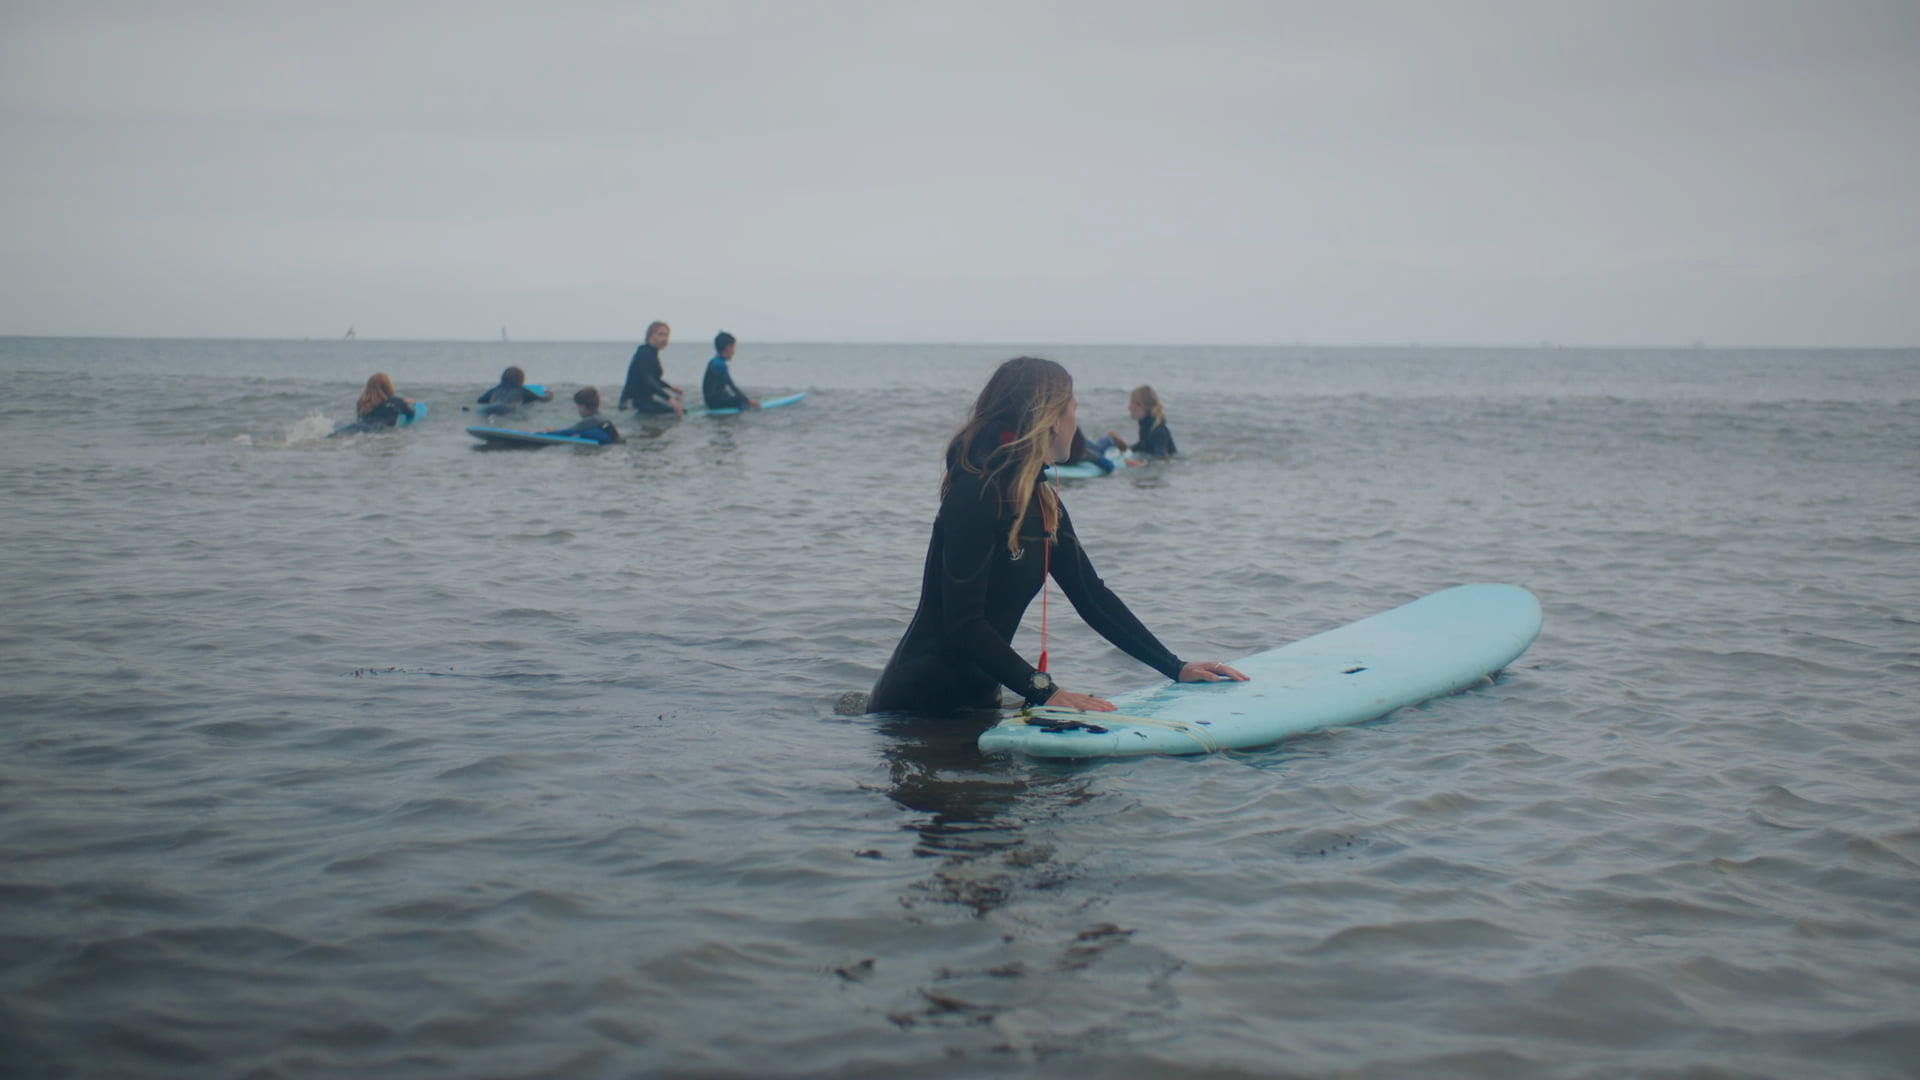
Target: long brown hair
[[379, 389], [1144, 397], [1006, 437]]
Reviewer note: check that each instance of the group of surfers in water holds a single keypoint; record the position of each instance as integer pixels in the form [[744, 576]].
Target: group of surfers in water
[[646, 391], [1000, 532]]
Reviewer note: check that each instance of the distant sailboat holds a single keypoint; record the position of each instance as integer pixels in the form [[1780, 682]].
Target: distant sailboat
[[503, 334], [350, 334]]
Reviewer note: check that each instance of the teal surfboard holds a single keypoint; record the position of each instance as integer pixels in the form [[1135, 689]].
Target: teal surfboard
[[770, 403], [1440, 644], [495, 436]]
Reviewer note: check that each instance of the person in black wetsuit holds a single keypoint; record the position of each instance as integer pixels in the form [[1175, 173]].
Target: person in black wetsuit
[[591, 425], [506, 399], [379, 408], [646, 390], [990, 553], [717, 386], [1155, 440]]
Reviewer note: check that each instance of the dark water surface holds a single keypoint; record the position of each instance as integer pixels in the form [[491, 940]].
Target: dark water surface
[[392, 756]]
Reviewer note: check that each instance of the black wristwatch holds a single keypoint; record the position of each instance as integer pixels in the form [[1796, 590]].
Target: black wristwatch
[[1040, 687]]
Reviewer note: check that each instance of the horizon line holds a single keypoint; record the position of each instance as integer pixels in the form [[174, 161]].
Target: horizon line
[[1700, 345]]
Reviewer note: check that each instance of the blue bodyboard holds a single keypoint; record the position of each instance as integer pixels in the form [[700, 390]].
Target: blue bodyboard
[[494, 436]]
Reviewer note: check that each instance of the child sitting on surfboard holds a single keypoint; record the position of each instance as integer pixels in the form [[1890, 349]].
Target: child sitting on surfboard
[[717, 386], [506, 398], [592, 425], [1155, 440], [999, 535]]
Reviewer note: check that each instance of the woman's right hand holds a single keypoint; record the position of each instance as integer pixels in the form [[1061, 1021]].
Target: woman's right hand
[[1067, 699]]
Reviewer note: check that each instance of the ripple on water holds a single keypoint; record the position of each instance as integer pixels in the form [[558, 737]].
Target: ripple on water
[[1782, 809], [1596, 1005], [1423, 936], [490, 768]]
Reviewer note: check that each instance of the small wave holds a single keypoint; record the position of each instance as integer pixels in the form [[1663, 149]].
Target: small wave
[[487, 768], [1714, 977], [441, 808], [1428, 934], [1782, 809]]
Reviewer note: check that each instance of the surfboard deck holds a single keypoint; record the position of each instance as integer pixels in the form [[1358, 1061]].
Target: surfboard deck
[[1087, 470], [1439, 644], [770, 403], [494, 436]]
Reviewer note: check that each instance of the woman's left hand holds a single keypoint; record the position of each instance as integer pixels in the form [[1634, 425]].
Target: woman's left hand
[[1209, 671]]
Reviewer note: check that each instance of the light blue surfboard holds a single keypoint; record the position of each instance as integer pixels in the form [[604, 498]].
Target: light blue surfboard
[[496, 436], [1087, 470], [770, 403], [1439, 644], [419, 413]]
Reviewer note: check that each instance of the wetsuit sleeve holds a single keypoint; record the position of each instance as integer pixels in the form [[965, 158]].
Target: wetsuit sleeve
[[484, 396], [971, 530], [402, 408], [1101, 609]]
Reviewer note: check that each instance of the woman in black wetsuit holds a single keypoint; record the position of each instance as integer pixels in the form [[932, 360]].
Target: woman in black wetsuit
[[646, 389], [990, 553], [1155, 440]]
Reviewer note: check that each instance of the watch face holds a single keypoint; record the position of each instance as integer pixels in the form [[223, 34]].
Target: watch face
[[1042, 681]]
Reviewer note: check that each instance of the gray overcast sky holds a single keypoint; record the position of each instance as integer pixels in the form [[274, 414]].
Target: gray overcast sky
[[1743, 172]]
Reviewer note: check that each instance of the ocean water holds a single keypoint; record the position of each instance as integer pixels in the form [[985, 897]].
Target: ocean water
[[395, 756]]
